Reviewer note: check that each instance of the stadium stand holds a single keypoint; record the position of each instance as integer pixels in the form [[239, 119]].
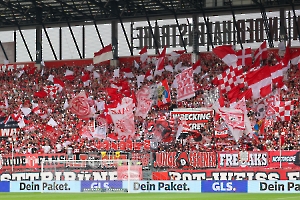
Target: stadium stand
[[51, 127]]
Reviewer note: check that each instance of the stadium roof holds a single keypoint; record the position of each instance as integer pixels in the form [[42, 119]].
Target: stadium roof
[[19, 13]]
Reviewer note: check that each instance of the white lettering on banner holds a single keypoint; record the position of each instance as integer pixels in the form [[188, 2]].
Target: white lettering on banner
[[232, 159], [57, 176], [194, 118], [220, 186], [283, 158]]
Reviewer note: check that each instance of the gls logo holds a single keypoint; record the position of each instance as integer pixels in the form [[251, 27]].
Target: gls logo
[[99, 185], [222, 187]]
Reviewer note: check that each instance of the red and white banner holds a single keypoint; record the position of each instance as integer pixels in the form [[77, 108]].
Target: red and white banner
[[242, 159], [185, 81], [229, 174], [123, 118], [233, 117], [144, 102], [185, 160], [284, 159], [29, 161], [194, 118]]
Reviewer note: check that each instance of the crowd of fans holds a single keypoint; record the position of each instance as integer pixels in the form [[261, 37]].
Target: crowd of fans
[[34, 138]]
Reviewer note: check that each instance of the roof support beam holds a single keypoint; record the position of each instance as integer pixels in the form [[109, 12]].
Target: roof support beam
[[176, 19], [72, 34], [295, 18], [238, 29], [265, 21]]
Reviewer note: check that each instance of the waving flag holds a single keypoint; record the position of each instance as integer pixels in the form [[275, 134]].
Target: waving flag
[[261, 52], [227, 54], [234, 118], [160, 64], [144, 102], [163, 92], [79, 105], [174, 55], [51, 90], [285, 110], [123, 118], [143, 54], [229, 79], [103, 55], [185, 82], [244, 57], [69, 75], [149, 75], [197, 67]]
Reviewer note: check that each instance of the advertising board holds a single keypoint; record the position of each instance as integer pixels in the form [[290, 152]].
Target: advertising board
[[229, 174], [100, 185], [164, 186], [273, 186], [4, 186], [45, 186], [224, 186]]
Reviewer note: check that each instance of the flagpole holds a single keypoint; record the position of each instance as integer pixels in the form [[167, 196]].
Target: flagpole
[[280, 153]]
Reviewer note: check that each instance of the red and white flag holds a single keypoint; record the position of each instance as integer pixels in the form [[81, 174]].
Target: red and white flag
[[79, 105], [123, 118], [136, 65], [229, 79], [185, 82], [69, 75], [260, 82], [143, 54], [174, 55], [103, 55], [262, 52], [149, 75], [160, 64], [144, 102], [100, 132], [197, 67], [127, 72], [59, 83], [227, 54], [85, 78], [285, 110], [244, 57], [234, 119], [295, 58], [85, 132], [51, 90]]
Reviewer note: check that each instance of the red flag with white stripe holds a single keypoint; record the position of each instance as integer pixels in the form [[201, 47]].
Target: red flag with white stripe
[[143, 54], [227, 54], [103, 55]]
